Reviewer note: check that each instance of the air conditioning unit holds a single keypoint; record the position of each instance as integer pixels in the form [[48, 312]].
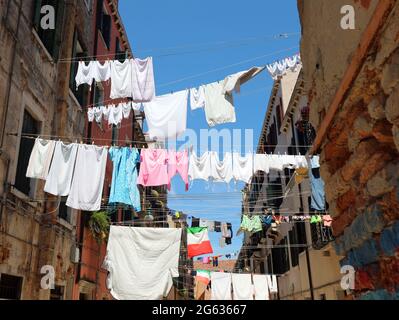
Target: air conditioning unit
[[75, 254]]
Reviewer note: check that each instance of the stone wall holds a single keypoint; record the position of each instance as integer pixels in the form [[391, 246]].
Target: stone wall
[[360, 153]]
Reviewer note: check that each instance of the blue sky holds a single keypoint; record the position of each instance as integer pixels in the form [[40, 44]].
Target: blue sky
[[188, 40]]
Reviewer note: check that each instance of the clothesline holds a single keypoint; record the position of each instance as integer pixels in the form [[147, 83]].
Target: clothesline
[[126, 141], [275, 36]]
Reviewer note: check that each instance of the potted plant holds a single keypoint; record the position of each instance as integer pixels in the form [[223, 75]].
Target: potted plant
[[99, 224]]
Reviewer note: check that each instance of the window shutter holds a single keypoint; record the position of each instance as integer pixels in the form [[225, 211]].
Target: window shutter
[[58, 28], [36, 14], [106, 27], [74, 64]]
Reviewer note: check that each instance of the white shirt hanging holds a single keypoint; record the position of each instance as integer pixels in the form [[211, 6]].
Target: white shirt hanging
[[221, 171], [221, 286], [243, 167], [234, 81], [199, 167], [261, 288], [126, 109], [143, 84], [242, 286], [166, 115], [85, 73], [101, 72], [197, 98], [88, 178], [60, 175], [219, 107], [40, 159], [121, 79]]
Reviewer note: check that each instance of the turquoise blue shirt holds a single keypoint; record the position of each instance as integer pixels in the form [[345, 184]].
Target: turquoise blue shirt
[[124, 177]]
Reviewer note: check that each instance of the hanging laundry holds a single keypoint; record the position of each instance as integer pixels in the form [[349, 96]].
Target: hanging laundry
[[261, 288], [207, 224], [124, 177], [242, 286], [317, 188], [115, 115], [153, 168], [178, 163], [221, 171], [167, 115], [126, 108], [143, 84], [85, 73], [279, 68], [121, 79], [327, 220], [101, 71], [195, 222], [221, 286], [60, 175], [222, 242], [215, 261], [199, 167], [197, 98], [203, 276], [219, 107], [206, 260], [234, 81], [218, 226], [272, 283], [142, 262], [229, 233], [198, 242], [88, 178], [40, 159], [251, 224], [243, 168], [261, 163]]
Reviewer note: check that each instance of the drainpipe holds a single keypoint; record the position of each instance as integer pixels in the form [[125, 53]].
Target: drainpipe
[[309, 274]]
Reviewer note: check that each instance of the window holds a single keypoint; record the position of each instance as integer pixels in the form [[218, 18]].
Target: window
[[119, 53], [80, 93], [64, 212], [104, 25], [57, 293], [115, 134], [51, 38], [10, 287], [29, 126]]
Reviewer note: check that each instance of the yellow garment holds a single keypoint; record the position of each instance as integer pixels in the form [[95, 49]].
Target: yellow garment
[[300, 174]]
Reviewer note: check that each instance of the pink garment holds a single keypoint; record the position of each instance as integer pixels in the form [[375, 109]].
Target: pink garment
[[178, 163], [327, 220], [153, 168], [206, 260]]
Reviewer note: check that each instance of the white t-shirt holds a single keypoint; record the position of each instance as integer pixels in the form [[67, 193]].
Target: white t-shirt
[[101, 72], [121, 79], [60, 175], [261, 163], [115, 114], [88, 178], [219, 107], [40, 159], [221, 171], [167, 115], [143, 84], [197, 98], [85, 73], [199, 167], [243, 167]]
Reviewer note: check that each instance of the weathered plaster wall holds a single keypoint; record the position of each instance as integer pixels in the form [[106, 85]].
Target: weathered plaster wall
[[360, 154]]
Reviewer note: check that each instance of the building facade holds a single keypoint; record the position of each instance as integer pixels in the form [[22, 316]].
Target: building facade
[[37, 231], [298, 252], [353, 94]]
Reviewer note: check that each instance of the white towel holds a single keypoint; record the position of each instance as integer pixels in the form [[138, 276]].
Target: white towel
[[199, 167], [221, 286], [272, 283], [261, 289], [243, 167], [242, 286], [167, 115], [142, 261], [40, 159], [234, 81]]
